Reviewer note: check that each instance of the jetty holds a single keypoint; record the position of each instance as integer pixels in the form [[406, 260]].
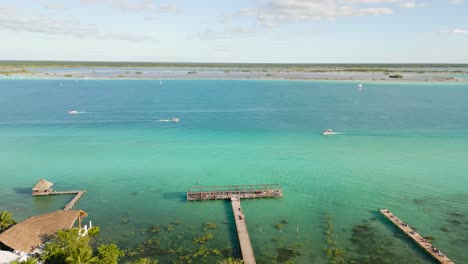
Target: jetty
[[242, 232], [417, 238], [202, 193], [235, 193], [44, 188]]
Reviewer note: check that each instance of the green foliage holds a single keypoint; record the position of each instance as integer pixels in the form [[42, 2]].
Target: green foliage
[[81, 255], [203, 238], [335, 255], [231, 261], [145, 261], [67, 245], [94, 231], [28, 261], [6, 221], [109, 254], [395, 76], [68, 75], [209, 225], [155, 229]]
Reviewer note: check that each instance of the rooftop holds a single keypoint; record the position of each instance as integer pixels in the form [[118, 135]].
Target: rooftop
[[32, 232], [42, 185]]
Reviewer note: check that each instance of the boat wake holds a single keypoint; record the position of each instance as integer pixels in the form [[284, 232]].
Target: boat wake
[[175, 119], [74, 112]]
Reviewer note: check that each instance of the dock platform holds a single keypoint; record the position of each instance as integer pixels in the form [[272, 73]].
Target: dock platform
[[421, 241], [242, 232], [202, 193]]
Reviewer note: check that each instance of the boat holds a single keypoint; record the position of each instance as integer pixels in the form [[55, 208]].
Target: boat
[[328, 132], [73, 112], [359, 85], [175, 119]]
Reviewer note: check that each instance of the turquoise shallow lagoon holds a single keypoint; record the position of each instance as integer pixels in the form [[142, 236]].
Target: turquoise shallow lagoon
[[404, 147]]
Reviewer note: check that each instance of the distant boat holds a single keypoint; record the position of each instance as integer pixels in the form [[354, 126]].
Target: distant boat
[[175, 120], [359, 85], [73, 112], [160, 83], [329, 132]]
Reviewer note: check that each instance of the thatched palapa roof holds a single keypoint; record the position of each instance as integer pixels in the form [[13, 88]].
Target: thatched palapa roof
[[42, 185], [30, 233]]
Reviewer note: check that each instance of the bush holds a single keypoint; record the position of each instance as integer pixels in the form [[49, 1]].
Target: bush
[[395, 76]]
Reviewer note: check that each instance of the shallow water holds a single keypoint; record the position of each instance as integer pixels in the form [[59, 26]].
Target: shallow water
[[404, 147]]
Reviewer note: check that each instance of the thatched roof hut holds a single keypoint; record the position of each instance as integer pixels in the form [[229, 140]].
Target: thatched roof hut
[[42, 187], [32, 232]]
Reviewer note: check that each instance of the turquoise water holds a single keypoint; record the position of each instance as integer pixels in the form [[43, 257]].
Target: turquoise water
[[404, 147]]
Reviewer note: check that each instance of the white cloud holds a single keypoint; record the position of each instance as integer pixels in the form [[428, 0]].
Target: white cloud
[[408, 5], [11, 20], [274, 12], [456, 2], [133, 5], [455, 31]]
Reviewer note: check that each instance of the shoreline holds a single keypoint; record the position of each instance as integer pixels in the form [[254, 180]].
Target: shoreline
[[331, 76]]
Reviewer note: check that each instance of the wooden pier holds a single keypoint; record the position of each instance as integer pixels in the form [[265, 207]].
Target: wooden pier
[[201, 193], [75, 199], [44, 188], [242, 232], [421, 241], [235, 193]]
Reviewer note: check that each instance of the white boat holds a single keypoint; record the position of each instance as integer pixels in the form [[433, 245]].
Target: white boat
[[175, 119], [328, 132], [359, 85], [73, 112]]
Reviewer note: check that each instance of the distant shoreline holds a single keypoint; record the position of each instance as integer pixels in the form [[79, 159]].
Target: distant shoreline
[[452, 73]]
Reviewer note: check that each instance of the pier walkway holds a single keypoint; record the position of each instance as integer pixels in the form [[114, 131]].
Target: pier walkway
[[235, 193], [242, 232], [75, 199], [411, 233]]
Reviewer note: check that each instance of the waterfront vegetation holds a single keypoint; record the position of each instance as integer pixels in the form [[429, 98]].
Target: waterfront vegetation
[[6, 221], [334, 254]]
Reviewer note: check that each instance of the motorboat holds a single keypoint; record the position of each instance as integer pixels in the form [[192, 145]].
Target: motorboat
[[328, 132], [175, 119], [73, 112], [359, 85]]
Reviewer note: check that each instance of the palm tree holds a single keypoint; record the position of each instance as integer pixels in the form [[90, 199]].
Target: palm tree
[[6, 221], [28, 261], [81, 255]]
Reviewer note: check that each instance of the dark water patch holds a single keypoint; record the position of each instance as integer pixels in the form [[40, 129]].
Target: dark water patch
[[455, 221], [176, 196], [444, 229], [22, 190], [457, 214]]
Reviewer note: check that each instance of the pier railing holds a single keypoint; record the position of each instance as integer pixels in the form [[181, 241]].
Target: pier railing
[[201, 193]]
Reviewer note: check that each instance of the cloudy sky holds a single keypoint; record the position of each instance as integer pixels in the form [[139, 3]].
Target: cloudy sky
[[287, 31]]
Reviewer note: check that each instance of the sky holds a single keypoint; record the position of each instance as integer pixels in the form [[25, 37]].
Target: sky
[[251, 31]]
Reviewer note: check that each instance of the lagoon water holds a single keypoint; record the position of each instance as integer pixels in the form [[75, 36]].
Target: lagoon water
[[404, 147]]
